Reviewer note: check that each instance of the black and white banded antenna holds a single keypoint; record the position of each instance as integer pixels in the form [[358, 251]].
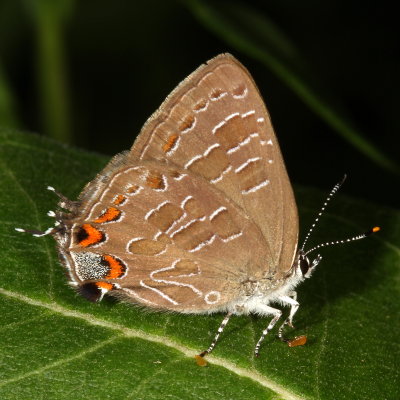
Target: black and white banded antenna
[[321, 211], [52, 229], [340, 241]]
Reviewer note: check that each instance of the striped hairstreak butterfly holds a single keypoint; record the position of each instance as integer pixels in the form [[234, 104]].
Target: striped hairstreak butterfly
[[199, 216]]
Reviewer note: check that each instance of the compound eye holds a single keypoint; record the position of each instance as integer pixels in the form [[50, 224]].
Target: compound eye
[[304, 265]]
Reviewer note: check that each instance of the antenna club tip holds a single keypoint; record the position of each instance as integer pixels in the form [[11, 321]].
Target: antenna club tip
[[373, 230]]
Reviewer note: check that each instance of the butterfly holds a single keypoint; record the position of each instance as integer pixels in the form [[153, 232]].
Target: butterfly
[[199, 216]]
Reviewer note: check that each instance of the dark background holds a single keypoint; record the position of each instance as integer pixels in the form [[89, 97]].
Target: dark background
[[91, 72]]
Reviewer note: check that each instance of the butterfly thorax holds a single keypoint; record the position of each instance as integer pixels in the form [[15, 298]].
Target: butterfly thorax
[[255, 294]]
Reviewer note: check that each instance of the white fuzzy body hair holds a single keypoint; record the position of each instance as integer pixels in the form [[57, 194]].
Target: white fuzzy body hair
[[257, 302]]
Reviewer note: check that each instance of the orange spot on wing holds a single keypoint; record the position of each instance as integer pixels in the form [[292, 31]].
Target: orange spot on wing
[[132, 189], [119, 199], [117, 268], [376, 229], [111, 214], [89, 235], [216, 94], [105, 285], [187, 123], [200, 105], [170, 143], [155, 182]]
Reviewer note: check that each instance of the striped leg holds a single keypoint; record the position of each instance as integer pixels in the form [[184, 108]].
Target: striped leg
[[292, 300], [277, 314], [220, 329]]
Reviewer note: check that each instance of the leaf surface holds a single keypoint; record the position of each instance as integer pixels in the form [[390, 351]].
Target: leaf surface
[[56, 345]]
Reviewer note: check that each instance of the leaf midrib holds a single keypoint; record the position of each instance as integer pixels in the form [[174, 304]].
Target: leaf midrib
[[133, 333]]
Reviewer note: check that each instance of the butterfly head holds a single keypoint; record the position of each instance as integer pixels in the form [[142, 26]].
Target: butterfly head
[[306, 267], [303, 266]]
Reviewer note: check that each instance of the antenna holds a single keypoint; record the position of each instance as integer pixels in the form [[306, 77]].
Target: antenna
[[53, 229], [332, 192], [351, 239]]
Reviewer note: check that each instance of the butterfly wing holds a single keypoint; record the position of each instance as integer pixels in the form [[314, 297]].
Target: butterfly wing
[[215, 125], [177, 242]]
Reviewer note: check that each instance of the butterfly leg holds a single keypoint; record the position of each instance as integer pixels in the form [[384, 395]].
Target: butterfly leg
[[291, 299], [277, 314], [220, 330]]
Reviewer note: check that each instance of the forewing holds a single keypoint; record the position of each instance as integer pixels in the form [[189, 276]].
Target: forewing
[[215, 125]]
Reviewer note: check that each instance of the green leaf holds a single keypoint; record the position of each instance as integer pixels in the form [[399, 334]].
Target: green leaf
[[56, 345]]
